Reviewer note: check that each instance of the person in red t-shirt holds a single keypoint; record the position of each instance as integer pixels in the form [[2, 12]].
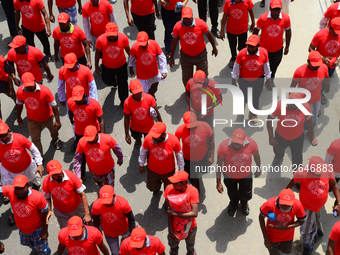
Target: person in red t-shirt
[[333, 11], [289, 131], [97, 150], [81, 239], [139, 110], [333, 246], [194, 135], [273, 25], [143, 56], [333, 158], [159, 148], [114, 213], [182, 202], [315, 180], [40, 107], [110, 48], [235, 21], [96, 14], [139, 243], [6, 82], [30, 213], [70, 38], [234, 158], [32, 23], [189, 31], [67, 192], [281, 211], [27, 59], [66, 6], [252, 64]]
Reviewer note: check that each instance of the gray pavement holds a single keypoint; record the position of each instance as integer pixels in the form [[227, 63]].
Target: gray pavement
[[218, 233]]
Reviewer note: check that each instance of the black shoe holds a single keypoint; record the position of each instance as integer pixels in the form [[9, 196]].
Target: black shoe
[[231, 210], [245, 209], [277, 161], [11, 220], [262, 4]]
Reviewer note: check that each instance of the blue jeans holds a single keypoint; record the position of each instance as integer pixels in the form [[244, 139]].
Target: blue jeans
[[113, 242]]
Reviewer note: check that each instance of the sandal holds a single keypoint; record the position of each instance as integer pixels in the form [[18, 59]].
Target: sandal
[[5, 200], [11, 220], [58, 144], [253, 118], [262, 4], [48, 58], [314, 142], [323, 99], [231, 63]]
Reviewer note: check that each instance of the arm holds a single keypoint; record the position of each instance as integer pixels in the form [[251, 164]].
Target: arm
[[335, 190], [267, 242], [252, 17], [57, 123], [159, 118], [78, 159], [56, 50], [132, 63], [131, 220], [80, 7], [119, 153], [61, 248], [11, 88], [101, 123], [219, 185], [162, 64], [170, 222], [310, 125], [113, 18], [44, 233], [211, 141], [272, 140], [19, 111], [327, 81], [17, 20], [291, 184], [257, 160], [47, 21], [96, 61], [213, 44], [127, 13], [50, 10], [88, 53], [323, 22], [126, 128], [93, 90], [86, 24], [102, 247], [156, 7], [143, 154], [223, 25], [293, 84], [172, 51], [288, 37], [71, 117], [127, 50], [61, 92], [256, 31], [180, 160], [50, 76], [311, 47], [50, 208], [96, 221], [87, 217], [235, 73], [293, 225], [330, 247], [268, 74], [38, 159], [188, 215]]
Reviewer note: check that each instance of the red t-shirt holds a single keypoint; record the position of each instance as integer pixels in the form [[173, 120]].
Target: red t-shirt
[[99, 16], [156, 247], [146, 59], [113, 52], [334, 150], [194, 141], [283, 218], [291, 129], [64, 194], [161, 157], [311, 80], [272, 31], [191, 38], [335, 236], [142, 7], [237, 22], [332, 12], [139, 111], [65, 3], [3, 74], [37, 102], [190, 195], [314, 189], [113, 219], [31, 15], [81, 77], [70, 42], [28, 62], [172, 4], [27, 213], [239, 161], [328, 45], [251, 66], [85, 114], [98, 156], [86, 247], [14, 156]]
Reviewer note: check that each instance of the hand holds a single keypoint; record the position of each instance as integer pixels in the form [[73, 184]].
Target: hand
[[20, 122], [80, 9], [171, 62], [310, 136], [326, 60], [252, 26], [89, 65], [173, 235], [16, 81], [2, 247], [44, 235], [214, 52], [63, 103], [142, 169], [130, 22], [268, 244], [56, 58], [269, 84], [132, 73], [50, 77], [40, 170], [19, 30], [211, 160], [128, 139], [48, 32], [57, 125], [81, 180], [258, 173], [98, 70], [12, 93], [222, 33], [89, 42], [157, 13], [278, 226], [164, 75], [49, 215], [171, 212], [52, 19], [120, 163], [219, 188], [286, 50], [87, 219], [272, 141], [337, 209], [336, 63]]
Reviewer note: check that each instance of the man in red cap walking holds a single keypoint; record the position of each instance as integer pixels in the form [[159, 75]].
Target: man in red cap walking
[[182, 201], [40, 108], [67, 192], [27, 59], [81, 239], [70, 38], [6, 81], [139, 110], [140, 243], [143, 56], [30, 213], [281, 211], [189, 31], [234, 158], [315, 181], [159, 148], [115, 215], [96, 148], [110, 48], [333, 11], [333, 246]]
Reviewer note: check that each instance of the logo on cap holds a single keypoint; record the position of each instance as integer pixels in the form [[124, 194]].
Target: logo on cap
[[77, 93], [192, 119], [287, 197], [105, 195], [86, 133], [239, 135], [52, 166], [18, 179], [154, 130], [137, 238], [74, 227], [186, 11], [141, 38], [1, 127]]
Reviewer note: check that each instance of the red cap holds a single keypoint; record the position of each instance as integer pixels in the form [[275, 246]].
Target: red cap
[[253, 40], [20, 181], [296, 95], [17, 42], [111, 29], [70, 60], [142, 38], [190, 119], [137, 238], [315, 160], [106, 193], [199, 74], [179, 176], [276, 4], [3, 128], [238, 136], [75, 226], [90, 133], [157, 129], [78, 93], [63, 17], [335, 24], [186, 12], [315, 58], [54, 167], [286, 197], [135, 86], [28, 79]]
